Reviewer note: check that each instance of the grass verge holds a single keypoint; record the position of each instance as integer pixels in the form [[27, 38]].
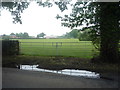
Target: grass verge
[[58, 63]]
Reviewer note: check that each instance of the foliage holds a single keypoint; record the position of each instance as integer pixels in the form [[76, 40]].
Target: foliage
[[60, 63], [10, 47], [83, 13], [110, 31], [74, 33], [22, 35], [41, 35], [101, 18], [5, 37], [81, 35], [71, 34], [84, 35], [12, 34], [16, 8]]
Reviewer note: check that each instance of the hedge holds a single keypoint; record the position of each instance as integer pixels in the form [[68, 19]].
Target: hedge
[[10, 47]]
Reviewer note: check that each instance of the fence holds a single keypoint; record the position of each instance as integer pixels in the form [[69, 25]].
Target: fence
[[77, 49]]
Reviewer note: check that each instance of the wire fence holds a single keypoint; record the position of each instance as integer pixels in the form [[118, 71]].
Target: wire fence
[[77, 49]]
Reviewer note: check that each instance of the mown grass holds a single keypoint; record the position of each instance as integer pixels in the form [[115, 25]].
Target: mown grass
[[57, 47], [48, 40]]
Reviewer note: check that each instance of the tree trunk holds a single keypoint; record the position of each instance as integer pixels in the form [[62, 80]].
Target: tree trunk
[[109, 27]]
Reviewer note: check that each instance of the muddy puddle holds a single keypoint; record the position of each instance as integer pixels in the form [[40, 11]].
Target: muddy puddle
[[71, 72]]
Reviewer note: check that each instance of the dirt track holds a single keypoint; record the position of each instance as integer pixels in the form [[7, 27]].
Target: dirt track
[[15, 78]]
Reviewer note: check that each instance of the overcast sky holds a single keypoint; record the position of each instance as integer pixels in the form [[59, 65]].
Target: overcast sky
[[35, 19]]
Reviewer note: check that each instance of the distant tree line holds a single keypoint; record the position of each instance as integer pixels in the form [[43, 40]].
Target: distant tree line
[[81, 35], [41, 35], [21, 35], [17, 35], [77, 34]]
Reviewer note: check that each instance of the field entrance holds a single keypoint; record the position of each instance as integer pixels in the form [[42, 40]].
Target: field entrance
[[83, 49]]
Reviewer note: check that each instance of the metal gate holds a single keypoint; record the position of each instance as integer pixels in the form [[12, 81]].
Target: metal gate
[[79, 49]]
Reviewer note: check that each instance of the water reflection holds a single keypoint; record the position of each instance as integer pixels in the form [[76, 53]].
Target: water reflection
[[72, 72]]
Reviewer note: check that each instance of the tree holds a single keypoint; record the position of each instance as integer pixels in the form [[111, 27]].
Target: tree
[[25, 35], [110, 31], [12, 34], [16, 8], [41, 35], [84, 35], [6, 37], [74, 33], [17, 35], [22, 35], [101, 18]]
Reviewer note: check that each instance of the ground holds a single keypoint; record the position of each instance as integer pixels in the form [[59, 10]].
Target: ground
[[107, 71], [16, 78]]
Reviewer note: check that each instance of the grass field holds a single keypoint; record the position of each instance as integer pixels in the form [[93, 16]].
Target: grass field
[[57, 47]]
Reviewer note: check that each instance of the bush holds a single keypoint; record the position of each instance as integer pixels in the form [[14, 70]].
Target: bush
[[10, 47]]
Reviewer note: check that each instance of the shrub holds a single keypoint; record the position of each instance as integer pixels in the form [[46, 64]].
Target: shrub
[[10, 47]]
